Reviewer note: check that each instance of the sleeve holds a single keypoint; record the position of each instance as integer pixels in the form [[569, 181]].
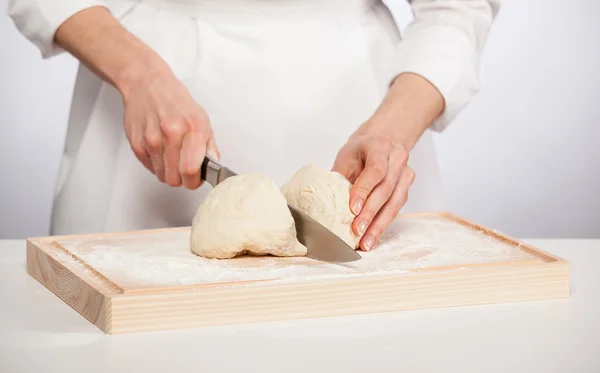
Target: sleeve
[[443, 44], [38, 20]]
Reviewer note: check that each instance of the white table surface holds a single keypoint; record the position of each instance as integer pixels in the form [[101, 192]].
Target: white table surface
[[39, 333]]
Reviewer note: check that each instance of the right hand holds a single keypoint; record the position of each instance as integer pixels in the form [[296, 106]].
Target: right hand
[[168, 130]]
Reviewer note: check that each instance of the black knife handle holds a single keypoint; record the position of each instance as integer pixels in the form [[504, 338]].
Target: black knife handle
[[204, 167]]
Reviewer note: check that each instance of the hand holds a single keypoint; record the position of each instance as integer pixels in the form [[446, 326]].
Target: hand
[[168, 131], [375, 157], [378, 169]]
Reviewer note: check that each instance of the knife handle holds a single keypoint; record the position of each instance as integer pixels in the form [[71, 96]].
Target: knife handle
[[209, 171]]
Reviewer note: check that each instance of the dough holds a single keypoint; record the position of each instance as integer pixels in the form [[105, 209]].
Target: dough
[[245, 214], [325, 196]]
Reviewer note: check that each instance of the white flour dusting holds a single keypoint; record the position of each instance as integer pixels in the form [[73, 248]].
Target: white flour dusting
[[164, 259]]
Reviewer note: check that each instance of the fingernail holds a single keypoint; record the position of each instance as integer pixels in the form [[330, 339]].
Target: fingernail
[[358, 204], [369, 241], [362, 227]]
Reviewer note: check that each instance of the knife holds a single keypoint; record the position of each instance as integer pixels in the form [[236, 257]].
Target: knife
[[322, 244]]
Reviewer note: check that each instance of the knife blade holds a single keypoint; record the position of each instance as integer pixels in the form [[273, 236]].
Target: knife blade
[[321, 243]]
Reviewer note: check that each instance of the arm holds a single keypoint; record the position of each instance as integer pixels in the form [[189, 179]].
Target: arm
[[437, 67], [87, 30], [443, 45], [436, 76], [168, 131], [99, 41], [411, 105], [38, 20]]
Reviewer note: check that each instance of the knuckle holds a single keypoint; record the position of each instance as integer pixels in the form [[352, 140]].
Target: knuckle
[[367, 214], [376, 230], [361, 191], [194, 126], [398, 202], [154, 142], [379, 170], [190, 171], [174, 181], [192, 185], [389, 186], [395, 206], [197, 122], [171, 128], [138, 150]]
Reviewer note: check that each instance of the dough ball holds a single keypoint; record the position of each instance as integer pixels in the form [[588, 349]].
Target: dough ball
[[325, 196], [245, 214]]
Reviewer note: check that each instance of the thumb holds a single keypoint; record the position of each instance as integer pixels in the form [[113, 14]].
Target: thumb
[[212, 149], [348, 166]]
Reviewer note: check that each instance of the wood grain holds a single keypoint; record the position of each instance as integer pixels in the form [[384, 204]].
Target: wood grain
[[116, 310], [184, 309], [74, 287]]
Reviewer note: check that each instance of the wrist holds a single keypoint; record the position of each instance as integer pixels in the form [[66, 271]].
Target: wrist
[[139, 72], [409, 108]]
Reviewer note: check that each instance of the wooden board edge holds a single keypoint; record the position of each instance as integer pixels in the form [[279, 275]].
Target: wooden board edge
[[108, 234], [81, 296], [101, 278], [40, 241], [535, 251], [360, 295], [98, 282]]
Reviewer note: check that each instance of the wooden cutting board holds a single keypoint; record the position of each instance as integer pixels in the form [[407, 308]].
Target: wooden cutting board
[[149, 280]]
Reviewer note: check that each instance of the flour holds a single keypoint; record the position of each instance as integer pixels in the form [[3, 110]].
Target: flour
[[165, 259]]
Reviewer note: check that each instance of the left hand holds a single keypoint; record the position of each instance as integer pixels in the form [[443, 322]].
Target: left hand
[[378, 169]]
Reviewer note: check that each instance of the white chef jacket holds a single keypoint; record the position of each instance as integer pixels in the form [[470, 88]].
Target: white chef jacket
[[284, 83]]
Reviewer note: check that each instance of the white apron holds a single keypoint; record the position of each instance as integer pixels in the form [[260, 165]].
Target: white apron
[[284, 83]]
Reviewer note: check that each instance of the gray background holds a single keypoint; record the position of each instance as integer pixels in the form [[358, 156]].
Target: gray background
[[523, 158]]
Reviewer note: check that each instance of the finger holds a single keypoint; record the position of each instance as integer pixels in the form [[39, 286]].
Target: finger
[[349, 169], [348, 164], [154, 147], [376, 166], [389, 211], [380, 195], [192, 155], [142, 155], [138, 145], [212, 149], [173, 132]]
